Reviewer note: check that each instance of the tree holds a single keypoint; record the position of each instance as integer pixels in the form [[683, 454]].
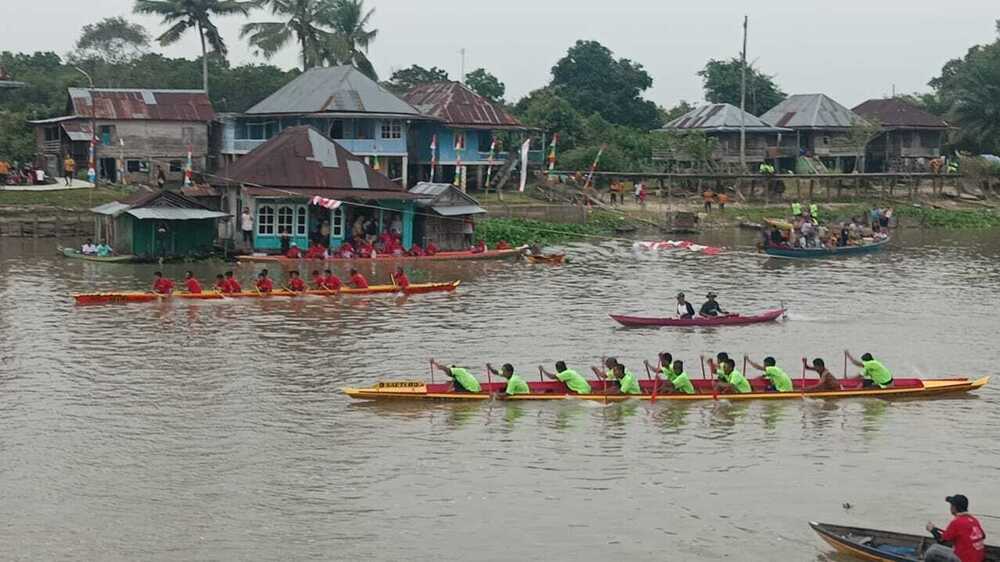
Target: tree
[[668, 115], [549, 112], [405, 79], [351, 36], [722, 85], [590, 79], [305, 20], [182, 15], [859, 134], [112, 40], [486, 85]]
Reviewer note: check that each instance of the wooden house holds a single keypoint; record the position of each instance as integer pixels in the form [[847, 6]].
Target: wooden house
[[821, 127], [910, 138], [446, 216]]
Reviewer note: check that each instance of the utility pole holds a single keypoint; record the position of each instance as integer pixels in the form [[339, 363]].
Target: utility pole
[[743, 98], [92, 165]]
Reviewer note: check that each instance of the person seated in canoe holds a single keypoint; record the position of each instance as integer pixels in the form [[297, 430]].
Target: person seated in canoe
[[264, 282], [515, 384], [346, 250], [535, 250], [191, 283], [417, 251], [827, 381], [400, 279], [293, 252], [684, 308], [573, 380], [606, 372], [88, 248], [777, 379], [365, 249], [874, 374], [716, 368], [676, 380], [627, 383], [431, 249], [103, 250], [295, 282], [220, 283], [232, 285], [711, 307], [461, 379], [317, 280], [733, 381], [358, 281], [965, 534], [478, 248], [504, 245], [162, 285], [316, 251], [330, 281]]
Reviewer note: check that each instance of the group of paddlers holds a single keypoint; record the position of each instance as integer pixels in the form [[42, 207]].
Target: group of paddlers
[[616, 378], [264, 283]]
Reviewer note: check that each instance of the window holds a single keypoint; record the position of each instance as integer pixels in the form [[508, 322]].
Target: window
[[136, 166], [265, 220], [51, 134], [392, 130], [337, 222], [285, 217], [485, 140], [106, 133], [176, 166], [240, 132], [337, 129], [459, 140], [907, 140], [300, 221], [364, 129], [261, 130]]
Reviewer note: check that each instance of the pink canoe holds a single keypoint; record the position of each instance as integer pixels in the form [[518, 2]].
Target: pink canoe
[[731, 320]]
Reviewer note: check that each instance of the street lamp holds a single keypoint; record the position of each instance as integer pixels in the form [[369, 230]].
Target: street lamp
[[92, 165]]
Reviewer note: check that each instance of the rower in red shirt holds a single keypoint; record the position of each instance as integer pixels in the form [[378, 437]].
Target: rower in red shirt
[[503, 245], [479, 247], [161, 284], [358, 281], [294, 252], [316, 252], [346, 250], [416, 250], [191, 284], [264, 283], [431, 249], [317, 280], [365, 250], [232, 285], [331, 281], [220, 283], [295, 283], [964, 533], [400, 279]]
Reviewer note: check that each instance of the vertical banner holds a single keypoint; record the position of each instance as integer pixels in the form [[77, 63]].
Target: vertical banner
[[524, 163], [490, 161], [593, 167], [434, 160], [187, 171], [552, 152], [91, 164]]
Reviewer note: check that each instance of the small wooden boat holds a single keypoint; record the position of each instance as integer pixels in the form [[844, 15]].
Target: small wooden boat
[[440, 256], [554, 390], [125, 297], [789, 252], [546, 258], [887, 546], [731, 320], [77, 254]]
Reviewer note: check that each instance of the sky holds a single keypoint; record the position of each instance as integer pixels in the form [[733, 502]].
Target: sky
[[852, 50]]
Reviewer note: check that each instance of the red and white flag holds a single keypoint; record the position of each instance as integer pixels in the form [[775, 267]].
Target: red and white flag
[[524, 163], [593, 167], [434, 152], [327, 203], [552, 152]]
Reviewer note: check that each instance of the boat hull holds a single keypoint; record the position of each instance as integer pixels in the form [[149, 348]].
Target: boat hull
[[440, 256], [553, 258], [77, 255], [127, 297], [826, 252], [647, 321], [864, 544]]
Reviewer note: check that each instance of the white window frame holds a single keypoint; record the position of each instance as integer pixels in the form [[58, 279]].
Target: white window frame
[[337, 220], [392, 129], [266, 220], [301, 221]]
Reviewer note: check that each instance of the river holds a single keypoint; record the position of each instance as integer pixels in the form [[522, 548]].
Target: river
[[217, 430]]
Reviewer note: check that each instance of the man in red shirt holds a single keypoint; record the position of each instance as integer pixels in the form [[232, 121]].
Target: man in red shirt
[[431, 249], [964, 533], [295, 283], [161, 284], [346, 250], [294, 252], [232, 285], [331, 282], [316, 252], [264, 283], [220, 283], [400, 279], [191, 284], [317, 280], [358, 280]]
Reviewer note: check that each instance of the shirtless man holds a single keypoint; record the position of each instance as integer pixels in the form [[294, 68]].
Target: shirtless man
[[827, 382]]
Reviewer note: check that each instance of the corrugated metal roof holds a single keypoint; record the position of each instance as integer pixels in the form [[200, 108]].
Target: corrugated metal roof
[[810, 111], [113, 208], [446, 199], [303, 157], [459, 210], [132, 104], [894, 112], [175, 214], [455, 104], [77, 130], [333, 89], [720, 117], [344, 194], [163, 205]]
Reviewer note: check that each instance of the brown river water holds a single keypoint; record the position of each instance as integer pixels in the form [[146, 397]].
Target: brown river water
[[217, 430]]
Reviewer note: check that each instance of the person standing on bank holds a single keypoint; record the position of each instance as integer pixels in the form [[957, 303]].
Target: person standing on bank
[[246, 226]]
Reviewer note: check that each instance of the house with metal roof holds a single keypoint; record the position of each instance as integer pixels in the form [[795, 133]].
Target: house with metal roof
[[464, 128], [723, 122], [138, 133], [822, 127], [446, 217], [340, 102], [279, 181], [910, 138]]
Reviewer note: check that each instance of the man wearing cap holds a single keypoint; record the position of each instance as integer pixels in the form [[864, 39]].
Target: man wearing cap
[[711, 306], [684, 308], [964, 533]]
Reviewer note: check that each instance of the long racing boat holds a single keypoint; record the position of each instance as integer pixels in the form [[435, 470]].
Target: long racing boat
[[137, 296], [440, 256]]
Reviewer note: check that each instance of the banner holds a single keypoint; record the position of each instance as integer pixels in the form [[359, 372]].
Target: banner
[[324, 202], [187, 169], [593, 167], [552, 152], [489, 164], [434, 159], [524, 163]]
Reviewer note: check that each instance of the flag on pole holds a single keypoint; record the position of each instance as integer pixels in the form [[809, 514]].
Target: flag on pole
[[434, 160], [524, 163], [327, 203], [375, 164], [459, 149], [490, 160], [91, 165], [593, 167], [552, 152], [187, 170]]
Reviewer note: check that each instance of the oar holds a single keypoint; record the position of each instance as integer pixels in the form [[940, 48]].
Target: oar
[[541, 376], [652, 397], [845, 365], [489, 378], [744, 365], [431, 365], [702, 357], [803, 389]]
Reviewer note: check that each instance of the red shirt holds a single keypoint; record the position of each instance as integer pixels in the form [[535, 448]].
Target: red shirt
[[359, 281], [222, 286], [265, 285], [163, 286], [297, 284], [479, 248], [432, 249], [316, 253], [318, 282], [192, 284], [294, 252], [365, 251], [233, 286], [332, 282], [968, 537], [401, 280], [416, 250]]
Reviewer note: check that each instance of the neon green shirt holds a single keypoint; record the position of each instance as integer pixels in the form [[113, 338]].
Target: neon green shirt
[[516, 385], [628, 384], [682, 383], [667, 371], [739, 382], [814, 211], [796, 209], [877, 372], [465, 379], [779, 379], [574, 381]]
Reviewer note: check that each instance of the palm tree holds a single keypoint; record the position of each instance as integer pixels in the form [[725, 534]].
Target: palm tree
[[185, 14], [351, 39], [303, 19]]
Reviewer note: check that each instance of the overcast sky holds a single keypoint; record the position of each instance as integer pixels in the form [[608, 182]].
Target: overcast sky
[[850, 49]]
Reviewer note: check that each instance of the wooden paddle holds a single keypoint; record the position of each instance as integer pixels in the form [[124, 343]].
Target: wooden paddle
[[541, 375], [432, 369], [652, 397]]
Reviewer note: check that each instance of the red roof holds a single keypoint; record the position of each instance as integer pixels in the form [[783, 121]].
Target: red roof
[[302, 157], [894, 112], [456, 104], [152, 105]]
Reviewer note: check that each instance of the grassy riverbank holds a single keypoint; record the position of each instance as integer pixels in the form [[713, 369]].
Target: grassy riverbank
[[71, 199]]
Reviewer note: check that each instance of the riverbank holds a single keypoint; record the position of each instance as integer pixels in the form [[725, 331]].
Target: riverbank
[[63, 213]]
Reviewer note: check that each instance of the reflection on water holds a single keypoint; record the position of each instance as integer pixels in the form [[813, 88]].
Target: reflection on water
[[218, 430]]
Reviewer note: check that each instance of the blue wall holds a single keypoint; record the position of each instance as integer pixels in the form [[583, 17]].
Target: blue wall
[[360, 136], [272, 242], [475, 151]]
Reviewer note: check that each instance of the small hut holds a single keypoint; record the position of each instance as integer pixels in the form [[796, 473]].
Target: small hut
[[446, 216]]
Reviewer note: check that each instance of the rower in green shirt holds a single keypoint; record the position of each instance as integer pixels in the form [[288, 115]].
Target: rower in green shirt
[[733, 380], [573, 381], [777, 379], [676, 379], [627, 383], [462, 379], [515, 384], [875, 374]]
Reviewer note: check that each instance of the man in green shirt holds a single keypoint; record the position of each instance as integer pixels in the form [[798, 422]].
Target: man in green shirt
[[627, 383], [680, 382], [573, 381], [733, 380], [777, 379], [462, 379], [874, 374], [515, 384]]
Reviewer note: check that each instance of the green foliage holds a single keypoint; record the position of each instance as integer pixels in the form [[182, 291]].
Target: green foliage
[[304, 21], [112, 41], [518, 232], [404, 79], [183, 15], [486, 85], [351, 36], [679, 110], [949, 218], [722, 85], [17, 143], [550, 112]]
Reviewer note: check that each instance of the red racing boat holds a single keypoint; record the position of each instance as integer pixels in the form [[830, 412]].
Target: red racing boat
[[440, 256], [730, 320]]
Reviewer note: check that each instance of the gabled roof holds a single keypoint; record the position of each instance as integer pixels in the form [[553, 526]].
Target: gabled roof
[[810, 111], [455, 104], [896, 113], [159, 205], [446, 199], [302, 157], [131, 104], [334, 89], [719, 118]]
